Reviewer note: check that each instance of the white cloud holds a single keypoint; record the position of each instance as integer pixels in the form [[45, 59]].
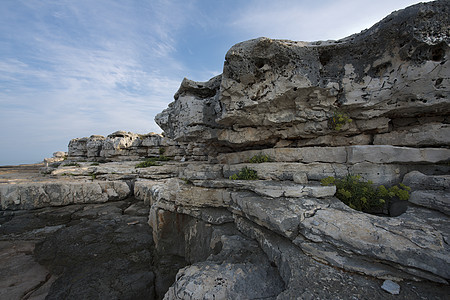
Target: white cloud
[[300, 20]]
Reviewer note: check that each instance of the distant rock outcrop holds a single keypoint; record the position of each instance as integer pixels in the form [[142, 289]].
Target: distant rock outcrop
[[375, 104]]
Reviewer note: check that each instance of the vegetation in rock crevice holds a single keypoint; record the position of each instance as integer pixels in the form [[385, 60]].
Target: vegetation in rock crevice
[[338, 120], [245, 174], [260, 158], [362, 195], [153, 161], [71, 164]]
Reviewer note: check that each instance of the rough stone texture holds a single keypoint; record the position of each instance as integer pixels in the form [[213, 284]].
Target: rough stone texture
[[272, 188], [59, 193], [273, 90], [126, 146], [380, 154], [271, 238], [121, 170], [379, 174], [419, 181], [308, 278], [391, 287], [89, 251], [239, 270], [119, 145], [20, 275], [416, 136], [431, 191], [192, 114]]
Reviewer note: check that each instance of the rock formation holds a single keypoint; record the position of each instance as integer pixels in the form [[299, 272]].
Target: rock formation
[[374, 104]]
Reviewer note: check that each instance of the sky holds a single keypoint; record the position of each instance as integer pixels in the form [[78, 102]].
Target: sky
[[74, 68]]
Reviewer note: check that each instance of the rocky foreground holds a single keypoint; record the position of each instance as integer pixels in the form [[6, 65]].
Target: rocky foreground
[[100, 223]]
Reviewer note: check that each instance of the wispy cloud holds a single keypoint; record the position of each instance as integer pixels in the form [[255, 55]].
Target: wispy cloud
[[310, 21], [73, 69], [76, 68]]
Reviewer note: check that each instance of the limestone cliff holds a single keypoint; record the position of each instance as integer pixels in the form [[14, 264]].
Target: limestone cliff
[[374, 104]]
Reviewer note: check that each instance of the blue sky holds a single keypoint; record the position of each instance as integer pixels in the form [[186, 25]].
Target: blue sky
[[73, 68]]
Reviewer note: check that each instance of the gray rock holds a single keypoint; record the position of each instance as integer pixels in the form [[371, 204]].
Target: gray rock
[[60, 192], [238, 269], [192, 115], [434, 199], [391, 287], [419, 181], [300, 177], [432, 135]]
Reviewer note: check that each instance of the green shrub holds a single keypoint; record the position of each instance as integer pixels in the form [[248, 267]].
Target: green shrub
[[152, 161], [95, 163], [162, 150], [338, 120], [71, 164], [245, 174], [162, 158], [362, 195], [260, 158], [147, 163]]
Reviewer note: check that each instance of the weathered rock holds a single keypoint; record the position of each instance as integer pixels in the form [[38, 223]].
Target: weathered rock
[[431, 135], [58, 193], [380, 154], [225, 281], [431, 191], [192, 115], [418, 181], [20, 275], [386, 154], [106, 255], [437, 200], [237, 267], [272, 188], [379, 174], [274, 90], [308, 278], [405, 236], [118, 146], [300, 177], [391, 287]]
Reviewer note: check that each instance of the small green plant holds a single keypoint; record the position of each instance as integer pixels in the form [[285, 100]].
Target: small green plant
[[245, 174], [93, 177], [152, 161], [147, 163], [72, 164], [162, 158], [187, 181], [95, 163], [362, 195], [338, 120], [260, 158], [162, 150]]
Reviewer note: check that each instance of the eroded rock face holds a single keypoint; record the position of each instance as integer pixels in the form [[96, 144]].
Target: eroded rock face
[[275, 90], [59, 193], [373, 104], [192, 115], [117, 146]]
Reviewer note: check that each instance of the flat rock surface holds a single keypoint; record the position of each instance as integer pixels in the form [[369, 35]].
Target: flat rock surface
[[93, 251], [16, 174]]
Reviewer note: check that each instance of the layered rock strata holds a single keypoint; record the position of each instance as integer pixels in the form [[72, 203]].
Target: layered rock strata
[[374, 104]]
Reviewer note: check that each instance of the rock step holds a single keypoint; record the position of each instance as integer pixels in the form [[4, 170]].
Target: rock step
[[274, 189], [386, 174], [323, 228], [431, 191], [34, 195], [378, 154]]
